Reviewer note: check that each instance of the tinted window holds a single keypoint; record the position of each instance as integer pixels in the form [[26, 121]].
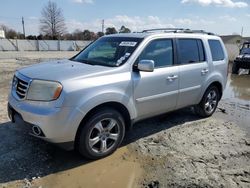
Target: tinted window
[[216, 50], [245, 48], [190, 51], [161, 51]]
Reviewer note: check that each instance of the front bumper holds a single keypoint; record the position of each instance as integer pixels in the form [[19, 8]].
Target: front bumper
[[243, 63], [58, 124]]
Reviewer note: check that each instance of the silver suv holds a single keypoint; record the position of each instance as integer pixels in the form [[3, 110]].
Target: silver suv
[[90, 100]]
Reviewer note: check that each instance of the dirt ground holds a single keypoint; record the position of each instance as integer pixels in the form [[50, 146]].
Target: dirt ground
[[177, 149]]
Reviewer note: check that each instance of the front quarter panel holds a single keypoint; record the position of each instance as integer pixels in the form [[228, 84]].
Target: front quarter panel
[[88, 93]]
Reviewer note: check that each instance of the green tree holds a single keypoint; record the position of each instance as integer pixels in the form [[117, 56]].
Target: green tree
[[110, 30], [124, 29], [99, 34]]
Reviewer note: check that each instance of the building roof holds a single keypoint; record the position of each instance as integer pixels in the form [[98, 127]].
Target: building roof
[[229, 38]]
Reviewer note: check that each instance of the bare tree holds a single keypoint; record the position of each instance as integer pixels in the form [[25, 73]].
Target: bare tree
[[52, 21]]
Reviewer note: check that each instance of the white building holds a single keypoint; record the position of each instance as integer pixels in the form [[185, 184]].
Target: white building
[[2, 34]]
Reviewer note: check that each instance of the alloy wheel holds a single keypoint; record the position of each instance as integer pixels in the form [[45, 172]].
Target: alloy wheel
[[104, 135], [211, 101]]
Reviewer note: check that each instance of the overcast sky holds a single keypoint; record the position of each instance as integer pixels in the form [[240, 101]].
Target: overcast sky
[[218, 16]]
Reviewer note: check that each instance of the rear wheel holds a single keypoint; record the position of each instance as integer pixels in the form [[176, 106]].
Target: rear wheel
[[209, 102], [102, 134], [235, 68]]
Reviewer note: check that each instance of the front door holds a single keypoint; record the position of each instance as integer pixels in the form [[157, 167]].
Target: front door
[[156, 92]]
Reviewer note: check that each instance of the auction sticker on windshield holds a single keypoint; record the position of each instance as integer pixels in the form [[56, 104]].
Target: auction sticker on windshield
[[128, 43]]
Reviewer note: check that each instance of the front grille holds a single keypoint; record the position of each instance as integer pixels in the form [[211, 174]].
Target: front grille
[[246, 59], [21, 88]]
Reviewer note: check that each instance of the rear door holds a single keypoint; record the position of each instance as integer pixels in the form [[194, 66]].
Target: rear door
[[156, 92], [193, 69]]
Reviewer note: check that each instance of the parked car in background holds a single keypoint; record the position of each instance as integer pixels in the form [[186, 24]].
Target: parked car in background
[[90, 100], [242, 61]]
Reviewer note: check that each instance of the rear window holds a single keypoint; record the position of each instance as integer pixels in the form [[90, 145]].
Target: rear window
[[190, 51], [216, 50]]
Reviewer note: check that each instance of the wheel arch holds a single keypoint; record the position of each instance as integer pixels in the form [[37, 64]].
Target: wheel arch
[[114, 105], [218, 85]]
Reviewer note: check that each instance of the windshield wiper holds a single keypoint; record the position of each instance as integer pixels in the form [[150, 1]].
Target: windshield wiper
[[91, 62], [102, 64], [80, 61]]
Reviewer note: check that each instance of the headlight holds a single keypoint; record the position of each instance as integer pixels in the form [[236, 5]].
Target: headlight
[[42, 90]]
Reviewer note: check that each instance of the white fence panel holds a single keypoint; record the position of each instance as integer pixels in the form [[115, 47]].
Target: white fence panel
[[232, 50], [41, 45], [7, 45]]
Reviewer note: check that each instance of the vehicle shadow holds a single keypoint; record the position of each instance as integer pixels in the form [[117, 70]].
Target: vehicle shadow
[[159, 123], [23, 156]]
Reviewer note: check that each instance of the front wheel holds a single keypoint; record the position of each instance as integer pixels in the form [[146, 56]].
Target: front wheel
[[209, 102], [102, 134]]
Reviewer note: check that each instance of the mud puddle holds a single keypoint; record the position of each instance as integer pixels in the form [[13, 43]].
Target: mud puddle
[[113, 171], [238, 88], [236, 101], [118, 170]]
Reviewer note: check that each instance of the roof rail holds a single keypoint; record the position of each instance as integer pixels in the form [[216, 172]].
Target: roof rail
[[178, 30], [164, 29], [198, 31]]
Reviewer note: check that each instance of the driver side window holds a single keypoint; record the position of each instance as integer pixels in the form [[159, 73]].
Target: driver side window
[[160, 51]]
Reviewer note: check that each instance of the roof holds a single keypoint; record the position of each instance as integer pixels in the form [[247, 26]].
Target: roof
[[247, 39], [133, 35], [166, 32]]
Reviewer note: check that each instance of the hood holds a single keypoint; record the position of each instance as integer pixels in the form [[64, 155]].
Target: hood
[[62, 70]]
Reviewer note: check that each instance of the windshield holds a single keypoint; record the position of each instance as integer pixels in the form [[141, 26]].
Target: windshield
[[245, 51], [245, 48], [108, 51]]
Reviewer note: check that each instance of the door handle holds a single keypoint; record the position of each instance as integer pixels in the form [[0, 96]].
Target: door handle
[[204, 71], [172, 78]]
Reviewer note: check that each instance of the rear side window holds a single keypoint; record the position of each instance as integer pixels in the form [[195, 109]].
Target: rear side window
[[161, 51], [190, 51], [216, 50]]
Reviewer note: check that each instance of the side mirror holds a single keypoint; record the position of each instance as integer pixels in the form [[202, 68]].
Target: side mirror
[[146, 65]]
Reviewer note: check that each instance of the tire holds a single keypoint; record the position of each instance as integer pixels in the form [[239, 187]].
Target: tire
[[102, 134], [209, 102], [235, 68]]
